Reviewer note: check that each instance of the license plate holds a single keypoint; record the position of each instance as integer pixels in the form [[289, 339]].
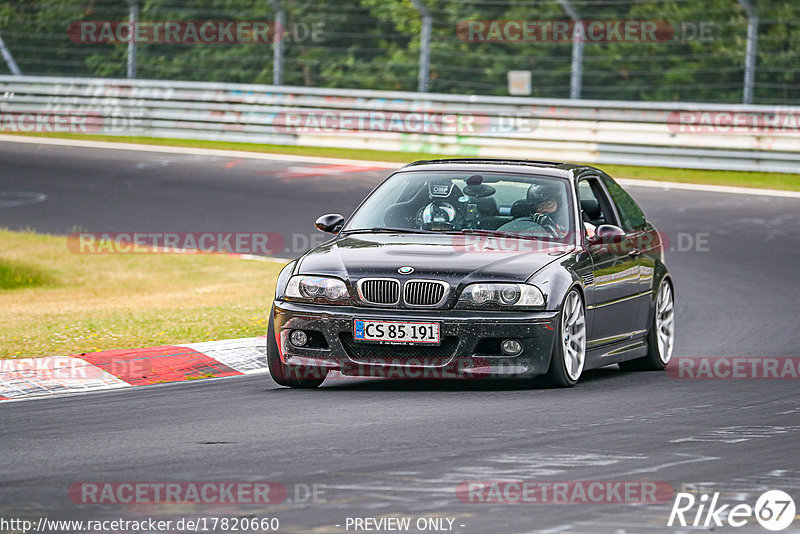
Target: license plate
[[396, 332]]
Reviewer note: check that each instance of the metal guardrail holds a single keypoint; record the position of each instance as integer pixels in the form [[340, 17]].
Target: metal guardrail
[[662, 134]]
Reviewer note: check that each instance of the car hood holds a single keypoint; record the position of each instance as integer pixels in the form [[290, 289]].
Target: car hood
[[454, 258]]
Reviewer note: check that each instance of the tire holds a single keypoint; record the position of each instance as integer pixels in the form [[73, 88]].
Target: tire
[[660, 336], [569, 347], [284, 375]]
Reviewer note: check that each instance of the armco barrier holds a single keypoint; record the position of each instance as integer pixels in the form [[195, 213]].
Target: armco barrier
[[732, 137]]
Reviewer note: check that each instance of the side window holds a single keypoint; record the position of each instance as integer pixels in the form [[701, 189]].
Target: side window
[[631, 214], [594, 204]]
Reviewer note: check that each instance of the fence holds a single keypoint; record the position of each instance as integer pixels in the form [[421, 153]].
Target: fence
[[729, 51], [735, 137]]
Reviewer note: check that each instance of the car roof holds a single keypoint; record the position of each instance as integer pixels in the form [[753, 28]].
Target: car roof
[[546, 168]]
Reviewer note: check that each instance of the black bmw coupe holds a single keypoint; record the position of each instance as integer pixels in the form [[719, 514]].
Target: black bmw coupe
[[477, 268]]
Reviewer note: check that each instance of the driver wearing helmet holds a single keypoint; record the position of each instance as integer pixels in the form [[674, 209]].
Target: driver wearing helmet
[[545, 201], [544, 198]]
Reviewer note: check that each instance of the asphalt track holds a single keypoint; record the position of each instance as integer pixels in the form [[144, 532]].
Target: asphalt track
[[386, 449]]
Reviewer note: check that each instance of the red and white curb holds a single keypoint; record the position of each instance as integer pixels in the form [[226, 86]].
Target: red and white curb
[[27, 378]]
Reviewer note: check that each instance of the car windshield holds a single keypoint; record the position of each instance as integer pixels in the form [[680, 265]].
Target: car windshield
[[526, 206]]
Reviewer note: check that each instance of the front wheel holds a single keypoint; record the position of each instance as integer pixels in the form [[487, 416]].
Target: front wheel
[[661, 337], [284, 375], [569, 348]]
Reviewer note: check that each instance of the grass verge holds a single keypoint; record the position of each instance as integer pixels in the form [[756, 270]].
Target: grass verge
[[15, 275], [59, 302], [764, 180]]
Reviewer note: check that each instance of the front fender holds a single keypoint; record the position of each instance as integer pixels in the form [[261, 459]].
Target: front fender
[[555, 280]]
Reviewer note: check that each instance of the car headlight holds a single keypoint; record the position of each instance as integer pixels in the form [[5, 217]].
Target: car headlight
[[497, 296], [319, 289], [283, 277]]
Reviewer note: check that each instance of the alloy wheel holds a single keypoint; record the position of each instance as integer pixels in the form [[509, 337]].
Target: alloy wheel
[[665, 322], [573, 329]]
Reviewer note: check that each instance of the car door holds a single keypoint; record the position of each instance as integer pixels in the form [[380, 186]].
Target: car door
[[615, 288], [641, 238]]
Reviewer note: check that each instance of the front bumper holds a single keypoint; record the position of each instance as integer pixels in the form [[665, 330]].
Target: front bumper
[[468, 348]]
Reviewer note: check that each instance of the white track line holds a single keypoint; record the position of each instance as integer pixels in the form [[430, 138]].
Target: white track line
[[194, 151], [338, 161]]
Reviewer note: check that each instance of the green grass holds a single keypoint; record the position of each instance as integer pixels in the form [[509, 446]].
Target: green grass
[[790, 182], [58, 302], [762, 180], [16, 275]]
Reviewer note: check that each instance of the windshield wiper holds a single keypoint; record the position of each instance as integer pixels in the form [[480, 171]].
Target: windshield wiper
[[496, 233], [387, 230], [473, 231]]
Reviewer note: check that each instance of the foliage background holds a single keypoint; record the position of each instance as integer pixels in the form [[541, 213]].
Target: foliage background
[[374, 44]]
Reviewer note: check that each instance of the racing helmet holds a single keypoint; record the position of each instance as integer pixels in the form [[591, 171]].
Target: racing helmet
[[542, 193]]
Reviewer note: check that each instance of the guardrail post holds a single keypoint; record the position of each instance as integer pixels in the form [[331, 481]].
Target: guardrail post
[[424, 45], [752, 47], [133, 19], [12, 65], [576, 69], [277, 44]]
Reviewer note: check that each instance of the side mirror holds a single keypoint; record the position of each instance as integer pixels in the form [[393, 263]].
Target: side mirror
[[330, 223], [607, 234]]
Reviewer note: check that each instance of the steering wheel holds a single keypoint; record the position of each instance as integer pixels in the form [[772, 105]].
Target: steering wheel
[[438, 226], [439, 216], [546, 222]]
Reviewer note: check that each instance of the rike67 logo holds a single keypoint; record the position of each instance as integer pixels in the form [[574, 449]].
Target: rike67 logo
[[774, 510]]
